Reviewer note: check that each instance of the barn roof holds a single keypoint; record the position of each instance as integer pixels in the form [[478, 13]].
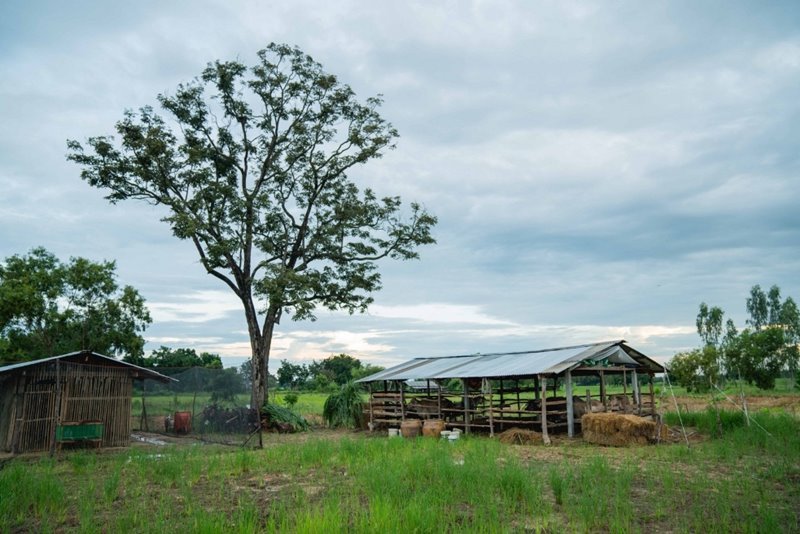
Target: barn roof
[[92, 358], [556, 361]]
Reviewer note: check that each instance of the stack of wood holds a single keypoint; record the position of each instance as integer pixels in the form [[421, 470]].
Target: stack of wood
[[519, 436], [618, 430]]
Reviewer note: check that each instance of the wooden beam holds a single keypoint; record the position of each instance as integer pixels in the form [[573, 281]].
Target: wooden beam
[[402, 401], [487, 387], [545, 436], [637, 397], [652, 395], [570, 408], [371, 409], [603, 391], [466, 405]]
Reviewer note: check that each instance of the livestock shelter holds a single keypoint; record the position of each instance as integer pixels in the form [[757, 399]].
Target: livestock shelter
[[80, 397], [514, 389]]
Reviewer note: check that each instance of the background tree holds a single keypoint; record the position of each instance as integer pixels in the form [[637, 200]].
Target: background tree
[[252, 166], [338, 369], [758, 354], [48, 307], [292, 375], [180, 358]]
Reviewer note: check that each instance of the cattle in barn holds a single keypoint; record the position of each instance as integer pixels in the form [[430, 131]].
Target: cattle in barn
[[427, 407], [620, 403], [581, 408]]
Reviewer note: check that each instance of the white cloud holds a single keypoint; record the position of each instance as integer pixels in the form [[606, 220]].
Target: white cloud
[[195, 307], [437, 313]]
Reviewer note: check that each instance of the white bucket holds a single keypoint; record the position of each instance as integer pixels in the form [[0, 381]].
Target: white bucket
[[394, 432], [453, 436], [445, 434]]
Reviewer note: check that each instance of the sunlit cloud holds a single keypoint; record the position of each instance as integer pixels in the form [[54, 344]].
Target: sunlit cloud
[[195, 307]]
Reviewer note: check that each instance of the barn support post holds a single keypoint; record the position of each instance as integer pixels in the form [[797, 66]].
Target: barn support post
[[570, 407], [603, 391], [439, 398], [487, 388], [16, 413], [652, 394], [466, 405], [625, 382], [637, 397], [371, 408], [402, 401], [536, 388], [545, 436], [56, 409]]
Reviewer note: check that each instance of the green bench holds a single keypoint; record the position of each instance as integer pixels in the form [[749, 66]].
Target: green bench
[[80, 432]]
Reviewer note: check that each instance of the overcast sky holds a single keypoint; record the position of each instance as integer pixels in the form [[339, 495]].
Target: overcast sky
[[598, 168]]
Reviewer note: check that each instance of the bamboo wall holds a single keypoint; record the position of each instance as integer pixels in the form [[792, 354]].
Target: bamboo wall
[[62, 392]]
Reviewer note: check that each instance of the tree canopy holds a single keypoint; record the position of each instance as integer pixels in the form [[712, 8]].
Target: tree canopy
[[168, 358], [758, 354], [49, 307], [252, 164]]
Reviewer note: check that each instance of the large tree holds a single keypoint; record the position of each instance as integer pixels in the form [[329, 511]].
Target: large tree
[[252, 165], [50, 307]]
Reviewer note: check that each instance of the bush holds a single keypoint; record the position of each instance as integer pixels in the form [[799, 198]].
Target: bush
[[281, 418], [344, 408]]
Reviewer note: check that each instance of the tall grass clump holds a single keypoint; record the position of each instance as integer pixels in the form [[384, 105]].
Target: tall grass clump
[[345, 408], [27, 491]]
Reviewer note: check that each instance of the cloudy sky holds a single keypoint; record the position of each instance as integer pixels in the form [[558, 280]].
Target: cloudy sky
[[598, 168]]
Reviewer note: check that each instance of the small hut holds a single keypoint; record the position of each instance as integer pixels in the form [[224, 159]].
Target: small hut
[[514, 389], [76, 397]]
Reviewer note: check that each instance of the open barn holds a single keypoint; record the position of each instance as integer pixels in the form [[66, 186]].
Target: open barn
[[498, 391], [80, 397]]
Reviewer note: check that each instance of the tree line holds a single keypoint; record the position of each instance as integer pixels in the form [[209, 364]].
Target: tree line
[[758, 354], [324, 375]]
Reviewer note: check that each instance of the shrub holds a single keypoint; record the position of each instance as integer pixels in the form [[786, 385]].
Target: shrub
[[344, 408]]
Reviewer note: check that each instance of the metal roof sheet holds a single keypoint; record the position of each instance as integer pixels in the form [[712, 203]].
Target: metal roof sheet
[[149, 373], [510, 364]]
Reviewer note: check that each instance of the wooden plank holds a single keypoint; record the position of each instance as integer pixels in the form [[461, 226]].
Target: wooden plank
[[545, 436]]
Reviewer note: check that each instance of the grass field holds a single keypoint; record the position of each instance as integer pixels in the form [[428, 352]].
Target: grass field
[[747, 480]]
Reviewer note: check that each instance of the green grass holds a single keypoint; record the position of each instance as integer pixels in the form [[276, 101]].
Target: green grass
[[743, 481]]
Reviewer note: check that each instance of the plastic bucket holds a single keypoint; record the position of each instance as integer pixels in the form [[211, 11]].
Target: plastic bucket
[[394, 432]]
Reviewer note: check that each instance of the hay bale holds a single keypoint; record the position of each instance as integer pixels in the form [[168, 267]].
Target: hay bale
[[617, 430], [519, 436]]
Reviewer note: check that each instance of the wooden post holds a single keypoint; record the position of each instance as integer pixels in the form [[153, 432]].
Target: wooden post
[[402, 401], [439, 398], [487, 388], [371, 409], [570, 408], [466, 405], [545, 436], [603, 391], [652, 395], [501, 393], [637, 398], [536, 388], [56, 409], [625, 382]]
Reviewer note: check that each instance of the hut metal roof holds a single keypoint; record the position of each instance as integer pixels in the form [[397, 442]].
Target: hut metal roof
[[517, 364], [84, 356]]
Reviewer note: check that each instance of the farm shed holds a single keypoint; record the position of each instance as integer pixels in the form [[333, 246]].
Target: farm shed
[[514, 389], [80, 396]]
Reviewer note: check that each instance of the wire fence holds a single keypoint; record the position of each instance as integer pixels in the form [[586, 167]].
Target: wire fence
[[210, 405]]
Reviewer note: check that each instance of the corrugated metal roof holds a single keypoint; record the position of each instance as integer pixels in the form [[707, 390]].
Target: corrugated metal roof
[[512, 364], [149, 373]]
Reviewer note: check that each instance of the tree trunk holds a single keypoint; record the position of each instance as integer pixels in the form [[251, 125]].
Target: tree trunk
[[260, 343]]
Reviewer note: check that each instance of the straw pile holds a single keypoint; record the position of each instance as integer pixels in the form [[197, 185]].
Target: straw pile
[[617, 430], [519, 436]]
